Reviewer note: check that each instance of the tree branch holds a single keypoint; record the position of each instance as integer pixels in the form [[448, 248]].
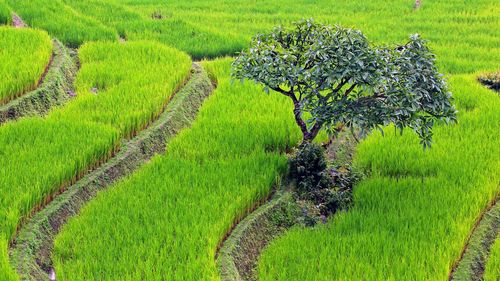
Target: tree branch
[[280, 90], [315, 130], [346, 94], [340, 85]]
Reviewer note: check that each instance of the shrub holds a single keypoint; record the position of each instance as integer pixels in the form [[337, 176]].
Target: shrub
[[309, 169]]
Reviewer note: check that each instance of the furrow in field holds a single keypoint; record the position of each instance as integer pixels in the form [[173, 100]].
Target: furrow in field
[[30, 252], [120, 89], [169, 217]]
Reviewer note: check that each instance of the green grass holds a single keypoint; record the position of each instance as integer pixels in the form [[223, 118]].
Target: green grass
[[411, 217], [492, 272], [5, 17], [417, 206], [134, 81], [413, 214], [62, 22], [168, 218], [24, 55]]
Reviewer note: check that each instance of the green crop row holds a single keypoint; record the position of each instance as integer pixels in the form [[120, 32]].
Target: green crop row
[[5, 17], [24, 55], [492, 272], [120, 88], [165, 221], [463, 35], [61, 21]]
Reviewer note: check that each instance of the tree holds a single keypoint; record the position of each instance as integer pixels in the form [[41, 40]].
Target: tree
[[339, 81]]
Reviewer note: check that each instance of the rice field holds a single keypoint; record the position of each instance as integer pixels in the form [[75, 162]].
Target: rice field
[[120, 89], [61, 21], [25, 54], [183, 202], [5, 17], [411, 216], [492, 272]]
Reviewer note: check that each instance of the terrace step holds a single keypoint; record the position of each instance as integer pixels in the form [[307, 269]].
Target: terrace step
[[30, 253], [55, 87]]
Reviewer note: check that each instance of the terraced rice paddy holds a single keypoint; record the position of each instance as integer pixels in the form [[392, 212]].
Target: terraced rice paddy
[[411, 216], [120, 88], [4, 13], [24, 54], [184, 201], [416, 206]]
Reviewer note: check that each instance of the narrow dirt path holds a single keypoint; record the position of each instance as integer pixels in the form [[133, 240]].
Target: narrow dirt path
[[239, 252], [30, 253], [475, 254], [238, 257]]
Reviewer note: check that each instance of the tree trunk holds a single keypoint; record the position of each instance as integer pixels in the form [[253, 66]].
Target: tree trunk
[[297, 113]]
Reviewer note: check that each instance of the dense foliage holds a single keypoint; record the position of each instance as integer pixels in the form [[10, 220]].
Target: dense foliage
[[339, 81], [22, 67], [5, 17], [132, 84]]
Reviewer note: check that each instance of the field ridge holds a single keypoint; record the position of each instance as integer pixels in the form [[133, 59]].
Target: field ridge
[[472, 262], [54, 87], [30, 253]]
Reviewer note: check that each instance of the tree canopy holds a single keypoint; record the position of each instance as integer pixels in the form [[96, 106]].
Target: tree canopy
[[337, 80]]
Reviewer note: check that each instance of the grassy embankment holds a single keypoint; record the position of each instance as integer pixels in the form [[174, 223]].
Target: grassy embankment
[[120, 89], [169, 217], [24, 55]]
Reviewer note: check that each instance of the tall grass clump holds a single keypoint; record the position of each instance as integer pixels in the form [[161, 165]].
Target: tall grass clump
[[492, 272], [120, 89], [168, 218], [5, 17], [24, 55], [62, 22]]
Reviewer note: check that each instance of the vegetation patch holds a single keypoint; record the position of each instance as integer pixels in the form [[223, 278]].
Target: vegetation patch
[[294, 203], [432, 206], [474, 257], [5, 16], [43, 156], [170, 216], [25, 56], [237, 259], [492, 272], [31, 251], [62, 22], [55, 88]]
